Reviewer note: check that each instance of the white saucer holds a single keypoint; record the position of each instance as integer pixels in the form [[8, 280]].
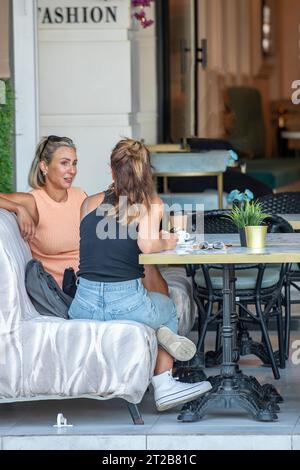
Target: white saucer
[[189, 242]]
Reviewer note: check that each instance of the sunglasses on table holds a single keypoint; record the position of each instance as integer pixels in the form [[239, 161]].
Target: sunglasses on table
[[205, 246], [212, 246]]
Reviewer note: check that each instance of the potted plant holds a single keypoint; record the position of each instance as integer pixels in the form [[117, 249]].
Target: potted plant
[[247, 215]]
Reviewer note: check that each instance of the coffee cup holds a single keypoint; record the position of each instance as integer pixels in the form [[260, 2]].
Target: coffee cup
[[183, 236], [177, 221]]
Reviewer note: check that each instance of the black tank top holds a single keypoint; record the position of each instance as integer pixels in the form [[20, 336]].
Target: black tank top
[[108, 251]]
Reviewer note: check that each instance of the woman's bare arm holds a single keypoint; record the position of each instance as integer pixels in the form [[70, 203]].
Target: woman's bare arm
[[23, 205], [150, 239]]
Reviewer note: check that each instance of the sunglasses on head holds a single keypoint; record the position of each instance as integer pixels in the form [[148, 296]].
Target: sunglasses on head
[[54, 138]]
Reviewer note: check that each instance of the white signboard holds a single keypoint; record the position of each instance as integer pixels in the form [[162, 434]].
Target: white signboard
[[85, 80], [83, 14]]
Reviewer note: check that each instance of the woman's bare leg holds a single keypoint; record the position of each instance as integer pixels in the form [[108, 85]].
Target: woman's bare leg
[[153, 280], [164, 361]]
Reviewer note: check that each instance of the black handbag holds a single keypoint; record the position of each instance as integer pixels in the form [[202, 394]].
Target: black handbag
[[44, 292], [69, 285]]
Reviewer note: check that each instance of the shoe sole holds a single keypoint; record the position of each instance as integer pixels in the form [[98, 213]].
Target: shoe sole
[[181, 348], [183, 399]]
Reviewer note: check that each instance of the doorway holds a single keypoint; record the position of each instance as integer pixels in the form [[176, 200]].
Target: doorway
[[177, 72]]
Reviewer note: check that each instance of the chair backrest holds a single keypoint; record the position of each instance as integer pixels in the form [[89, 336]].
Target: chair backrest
[[199, 144], [277, 224], [281, 203], [14, 255], [215, 222], [14, 305], [248, 133]]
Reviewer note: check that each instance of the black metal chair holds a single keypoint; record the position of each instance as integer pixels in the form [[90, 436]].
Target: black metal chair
[[285, 203], [281, 203], [258, 285]]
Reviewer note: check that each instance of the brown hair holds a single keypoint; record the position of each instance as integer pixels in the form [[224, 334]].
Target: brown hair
[[44, 152], [132, 173]]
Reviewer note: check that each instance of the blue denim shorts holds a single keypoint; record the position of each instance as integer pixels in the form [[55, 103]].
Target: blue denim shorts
[[127, 300]]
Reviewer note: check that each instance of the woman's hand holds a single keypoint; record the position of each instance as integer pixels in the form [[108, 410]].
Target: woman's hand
[[26, 223], [170, 239], [150, 239]]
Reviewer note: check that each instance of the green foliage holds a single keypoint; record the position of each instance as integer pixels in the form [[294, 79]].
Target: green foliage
[[6, 140], [248, 213]]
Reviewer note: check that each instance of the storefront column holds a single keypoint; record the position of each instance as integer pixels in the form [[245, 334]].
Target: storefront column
[[25, 85]]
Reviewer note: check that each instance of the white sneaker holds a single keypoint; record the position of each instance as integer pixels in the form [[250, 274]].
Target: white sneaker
[[169, 392], [180, 347]]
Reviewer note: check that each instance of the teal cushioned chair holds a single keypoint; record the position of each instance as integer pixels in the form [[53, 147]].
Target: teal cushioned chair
[[286, 203], [246, 279], [248, 136], [258, 285]]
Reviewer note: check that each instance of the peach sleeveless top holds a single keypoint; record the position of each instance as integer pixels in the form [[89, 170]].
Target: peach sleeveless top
[[56, 242]]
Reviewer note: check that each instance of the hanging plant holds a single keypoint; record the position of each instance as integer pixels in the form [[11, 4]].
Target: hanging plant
[[140, 14]]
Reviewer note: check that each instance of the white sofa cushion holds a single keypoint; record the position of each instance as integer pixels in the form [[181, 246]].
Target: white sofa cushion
[[181, 292], [46, 356], [80, 357], [43, 356], [15, 304]]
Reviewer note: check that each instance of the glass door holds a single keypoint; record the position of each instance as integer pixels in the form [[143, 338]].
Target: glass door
[[182, 68]]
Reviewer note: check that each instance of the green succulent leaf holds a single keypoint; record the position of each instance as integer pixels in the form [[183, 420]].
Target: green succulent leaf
[[249, 213]]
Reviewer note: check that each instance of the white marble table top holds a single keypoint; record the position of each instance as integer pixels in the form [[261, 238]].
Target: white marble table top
[[188, 163], [280, 248]]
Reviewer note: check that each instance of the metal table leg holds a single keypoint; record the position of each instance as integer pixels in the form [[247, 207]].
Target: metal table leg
[[220, 190], [232, 389]]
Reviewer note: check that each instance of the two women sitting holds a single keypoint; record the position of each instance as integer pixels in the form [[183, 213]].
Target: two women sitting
[[115, 227]]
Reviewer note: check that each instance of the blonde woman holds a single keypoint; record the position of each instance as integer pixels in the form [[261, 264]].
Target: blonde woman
[[49, 215], [116, 226]]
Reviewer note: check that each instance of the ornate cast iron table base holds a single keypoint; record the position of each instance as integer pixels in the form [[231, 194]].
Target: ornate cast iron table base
[[232, 388]]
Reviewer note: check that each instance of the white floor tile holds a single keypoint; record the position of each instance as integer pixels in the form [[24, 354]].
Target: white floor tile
[[219, 442], [74, 442], [296, 442], [108, 425]]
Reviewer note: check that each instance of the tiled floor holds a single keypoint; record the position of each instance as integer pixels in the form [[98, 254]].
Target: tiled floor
[[107, 424]]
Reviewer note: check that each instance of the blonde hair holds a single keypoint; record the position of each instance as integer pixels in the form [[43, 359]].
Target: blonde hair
[[44, 152], [132, 173]]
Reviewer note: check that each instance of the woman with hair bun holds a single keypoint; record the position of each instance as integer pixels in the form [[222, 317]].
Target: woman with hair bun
[[116, 226], [48, 216]]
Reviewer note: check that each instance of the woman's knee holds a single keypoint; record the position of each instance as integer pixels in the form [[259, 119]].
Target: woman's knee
[[165, 310]]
